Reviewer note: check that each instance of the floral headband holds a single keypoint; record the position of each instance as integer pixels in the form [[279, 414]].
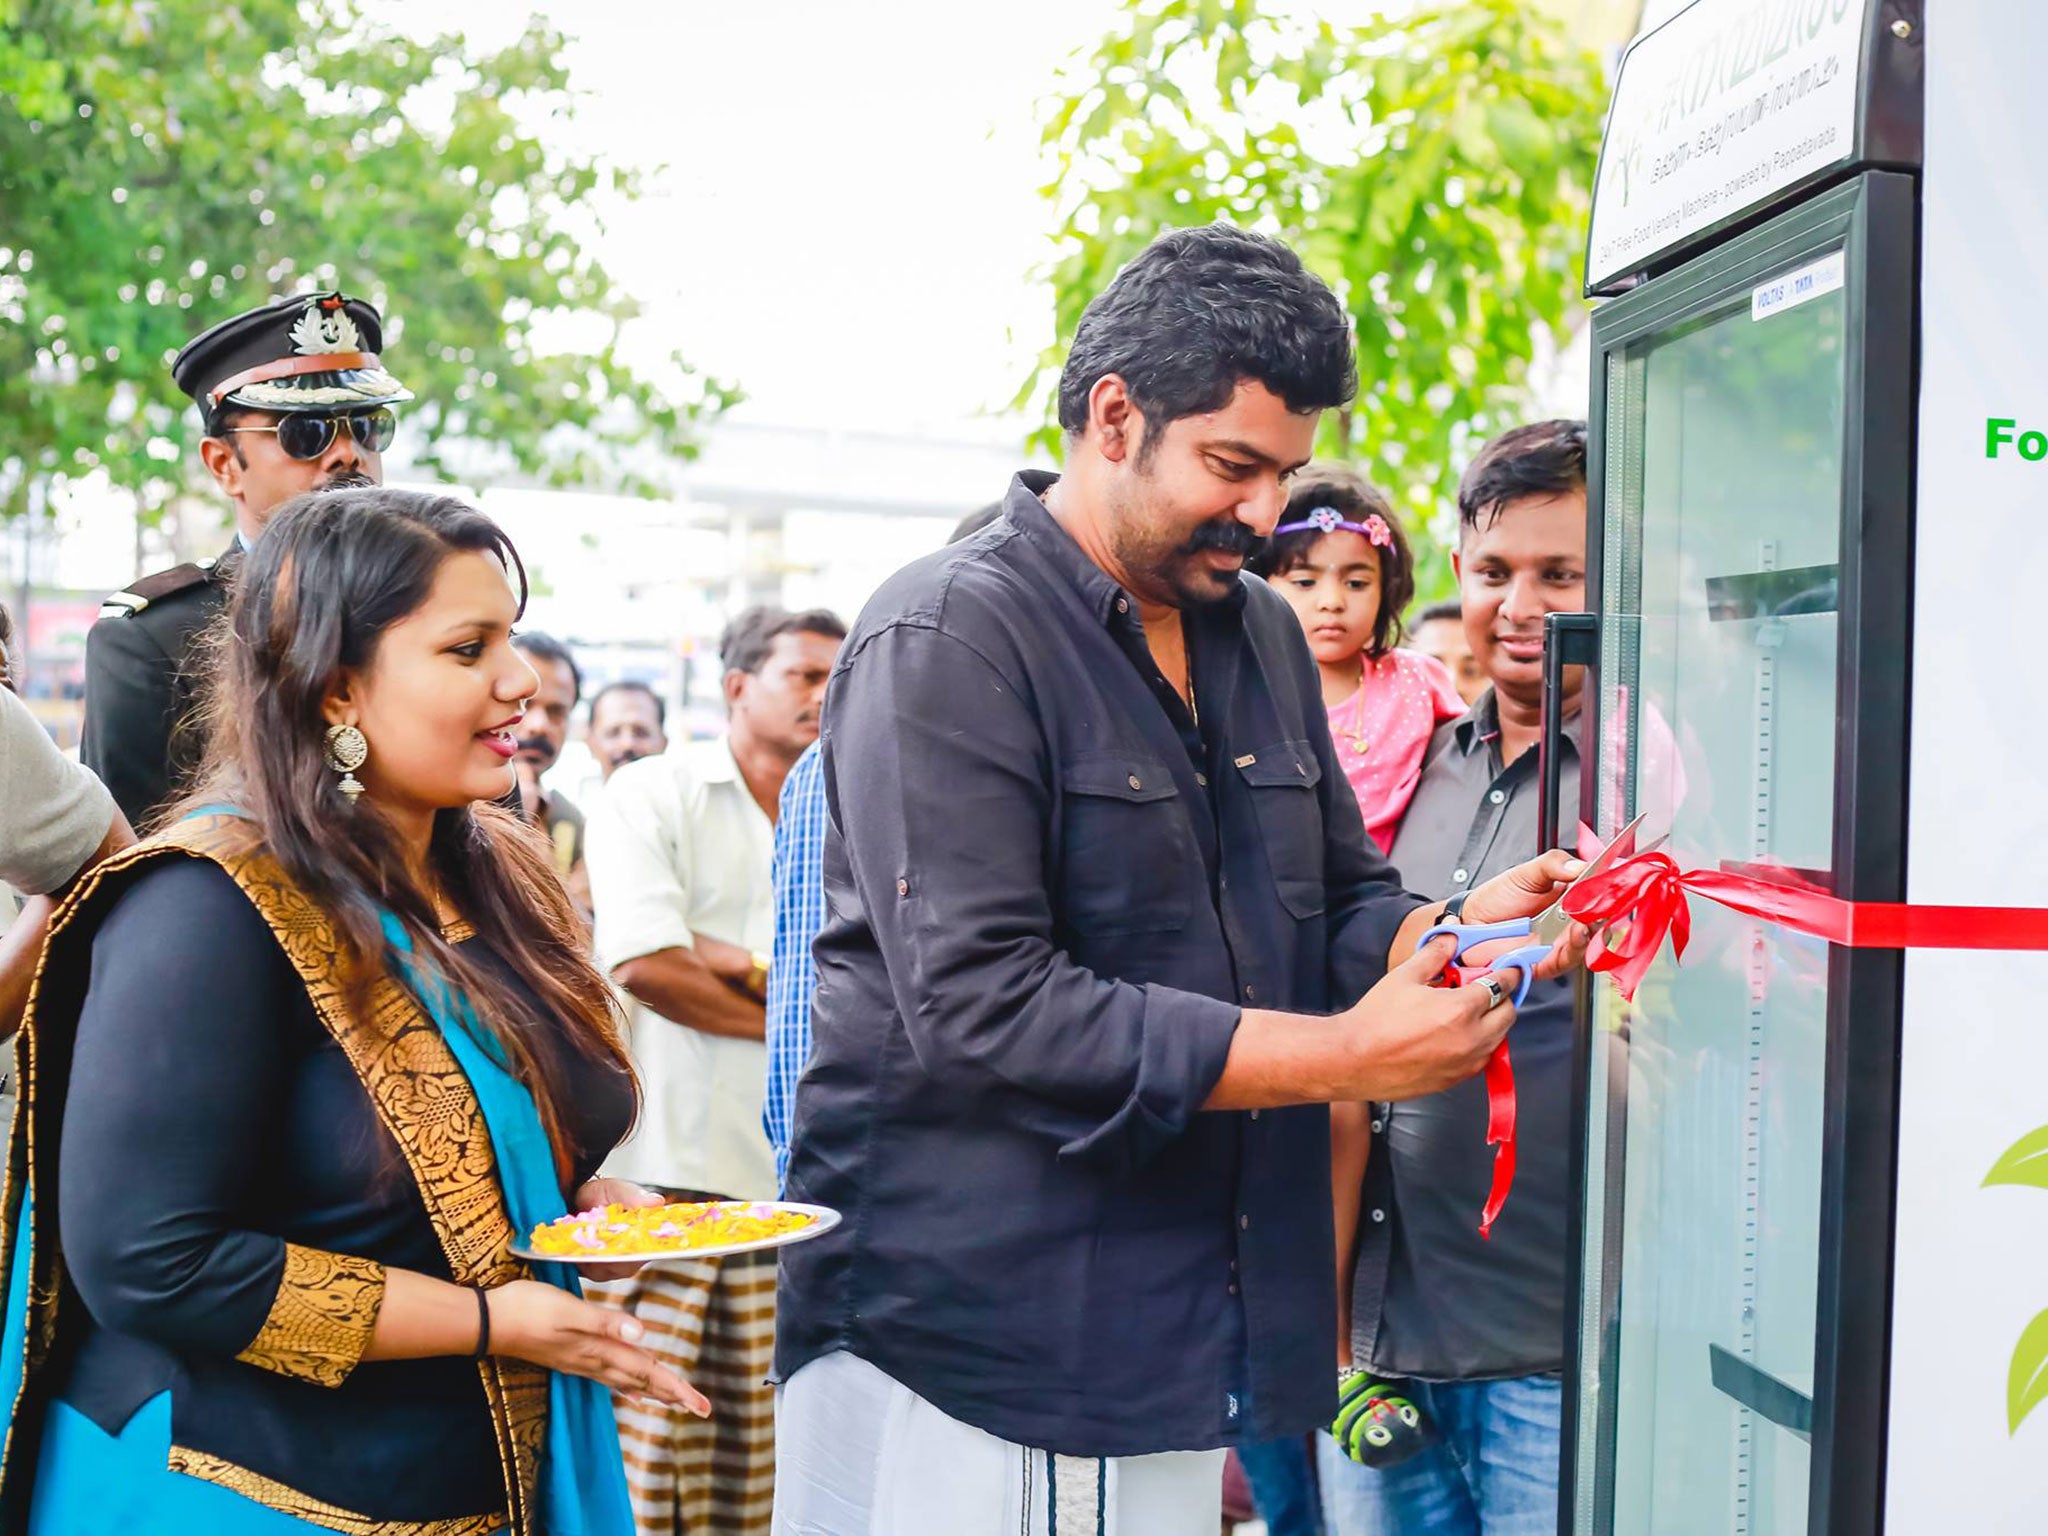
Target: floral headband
[[1329, 520]]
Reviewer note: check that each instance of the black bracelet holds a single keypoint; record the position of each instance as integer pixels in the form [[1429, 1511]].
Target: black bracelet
[[1454, 909], [483, 1322]]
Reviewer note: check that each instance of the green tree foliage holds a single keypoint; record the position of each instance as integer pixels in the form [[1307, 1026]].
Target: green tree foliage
[[1434, 165], [166, 163]]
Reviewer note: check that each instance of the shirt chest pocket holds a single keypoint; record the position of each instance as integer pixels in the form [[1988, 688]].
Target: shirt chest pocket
[[1126, 854], [1282, 780]]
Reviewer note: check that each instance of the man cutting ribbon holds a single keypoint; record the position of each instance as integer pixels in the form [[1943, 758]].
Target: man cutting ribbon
[[1101, 910]]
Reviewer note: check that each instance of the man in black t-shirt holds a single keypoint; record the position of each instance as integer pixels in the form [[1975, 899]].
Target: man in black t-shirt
[[1475, 1325]]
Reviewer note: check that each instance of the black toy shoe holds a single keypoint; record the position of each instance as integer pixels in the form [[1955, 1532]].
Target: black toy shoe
[[1376, 1426]]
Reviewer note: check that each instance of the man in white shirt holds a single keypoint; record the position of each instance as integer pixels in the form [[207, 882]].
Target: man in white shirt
[[679, 850]]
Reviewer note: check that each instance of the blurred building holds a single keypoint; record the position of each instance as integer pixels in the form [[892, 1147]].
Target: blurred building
[[640, 588], [803, 517]]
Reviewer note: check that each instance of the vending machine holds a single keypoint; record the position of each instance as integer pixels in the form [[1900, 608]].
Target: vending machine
[[1812, 1246]]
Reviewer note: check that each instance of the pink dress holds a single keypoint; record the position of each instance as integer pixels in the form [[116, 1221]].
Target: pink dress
[[1382, 731]]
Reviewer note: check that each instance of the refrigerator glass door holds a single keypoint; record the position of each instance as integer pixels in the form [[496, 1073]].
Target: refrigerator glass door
[[1720, 587]]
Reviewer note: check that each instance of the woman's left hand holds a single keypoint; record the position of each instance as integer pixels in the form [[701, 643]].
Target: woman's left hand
[[624, 1192]]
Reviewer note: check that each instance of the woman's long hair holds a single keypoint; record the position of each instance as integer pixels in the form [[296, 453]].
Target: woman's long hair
[[333, 571]]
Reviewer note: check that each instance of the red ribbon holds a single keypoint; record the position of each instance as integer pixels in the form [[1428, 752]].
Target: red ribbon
[[1647, 893], [1500, 1133], [1634, 905], [1500, 1115]]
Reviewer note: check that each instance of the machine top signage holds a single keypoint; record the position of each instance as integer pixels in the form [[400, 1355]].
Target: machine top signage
[[1725, 105]]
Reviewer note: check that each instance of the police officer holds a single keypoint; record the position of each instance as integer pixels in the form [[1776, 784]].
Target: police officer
[[293, 399]]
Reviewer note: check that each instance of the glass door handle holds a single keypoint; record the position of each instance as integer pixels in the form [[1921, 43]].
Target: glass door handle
[[1569, 640]]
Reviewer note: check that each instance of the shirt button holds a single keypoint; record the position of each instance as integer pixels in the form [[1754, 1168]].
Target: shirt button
[[1244, 1223], [1202, 779], [1378, 1214], [1497, 797], [1233, 1287], [1460, 876], [1122, 606], [1135, 782], [1255, 1114], [1233, 1266], [1377, 1125], [1249, 994], [902, 887]]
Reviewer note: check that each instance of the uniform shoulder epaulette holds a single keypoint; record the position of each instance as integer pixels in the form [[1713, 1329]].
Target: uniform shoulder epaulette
[[155, 588]]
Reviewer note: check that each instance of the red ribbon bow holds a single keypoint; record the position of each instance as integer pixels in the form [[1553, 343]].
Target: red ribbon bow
[[1637, 903], [1640, 899], [1648, 893]]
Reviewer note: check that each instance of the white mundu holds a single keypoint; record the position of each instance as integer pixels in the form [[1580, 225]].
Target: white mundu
[[860, 1454]]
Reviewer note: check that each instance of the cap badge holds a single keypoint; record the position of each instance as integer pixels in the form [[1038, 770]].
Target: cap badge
[[325, 327]]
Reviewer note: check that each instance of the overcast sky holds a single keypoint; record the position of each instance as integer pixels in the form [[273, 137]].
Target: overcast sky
[[849, 214], [849, 217]]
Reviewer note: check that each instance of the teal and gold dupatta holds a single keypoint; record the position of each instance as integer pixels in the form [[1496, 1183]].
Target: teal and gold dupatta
[[468, 1130]]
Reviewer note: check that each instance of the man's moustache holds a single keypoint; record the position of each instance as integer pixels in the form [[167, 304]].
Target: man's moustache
[[536, 744], [348, 480], [1232, 538]]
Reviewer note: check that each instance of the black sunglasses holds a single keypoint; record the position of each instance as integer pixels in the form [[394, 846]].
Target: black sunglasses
[[308, 436]]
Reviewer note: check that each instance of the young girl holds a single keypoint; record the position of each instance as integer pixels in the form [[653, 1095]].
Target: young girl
[[1338, 555]]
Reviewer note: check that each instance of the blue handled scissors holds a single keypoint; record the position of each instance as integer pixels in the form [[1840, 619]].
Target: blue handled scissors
[[1543, 930]]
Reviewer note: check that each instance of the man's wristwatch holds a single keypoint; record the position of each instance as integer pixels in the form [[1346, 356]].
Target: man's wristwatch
[[1454, 909], [757, 978]]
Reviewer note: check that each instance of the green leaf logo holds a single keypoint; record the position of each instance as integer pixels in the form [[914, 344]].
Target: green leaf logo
[[2024, 1162], [2027, 1383]]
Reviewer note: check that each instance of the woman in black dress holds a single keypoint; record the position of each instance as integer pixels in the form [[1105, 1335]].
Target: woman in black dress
[[296, 1070]]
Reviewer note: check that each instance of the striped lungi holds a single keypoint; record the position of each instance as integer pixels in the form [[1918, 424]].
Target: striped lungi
[[713, 1321]]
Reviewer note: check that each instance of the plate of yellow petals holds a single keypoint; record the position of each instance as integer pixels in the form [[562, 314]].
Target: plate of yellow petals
[[621, 1234]]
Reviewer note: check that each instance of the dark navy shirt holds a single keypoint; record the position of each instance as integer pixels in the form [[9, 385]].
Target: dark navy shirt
[[1027, 985]]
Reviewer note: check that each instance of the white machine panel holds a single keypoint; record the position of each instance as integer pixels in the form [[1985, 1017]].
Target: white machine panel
[[1970, 1305]]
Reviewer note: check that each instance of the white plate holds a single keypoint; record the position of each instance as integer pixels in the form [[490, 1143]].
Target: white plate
[[826, 1220]]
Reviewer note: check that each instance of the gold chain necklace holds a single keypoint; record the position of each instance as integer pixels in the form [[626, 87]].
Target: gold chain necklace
[[1356, 733]]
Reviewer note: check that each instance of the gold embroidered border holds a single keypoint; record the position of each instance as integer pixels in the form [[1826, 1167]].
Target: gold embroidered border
[[424, 1100], [321, 1318], [272, 1494]]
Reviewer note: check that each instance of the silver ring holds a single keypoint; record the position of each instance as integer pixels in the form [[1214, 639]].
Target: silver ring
[[1494, 990]]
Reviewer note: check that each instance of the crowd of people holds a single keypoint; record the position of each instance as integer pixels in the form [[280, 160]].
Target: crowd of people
[[1060, 924]]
